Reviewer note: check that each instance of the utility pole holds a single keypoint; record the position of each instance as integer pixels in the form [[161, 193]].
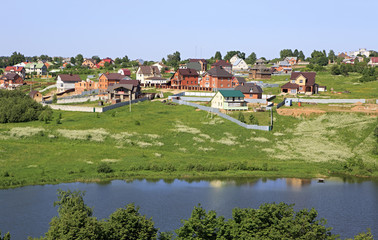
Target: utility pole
[[130, 99]]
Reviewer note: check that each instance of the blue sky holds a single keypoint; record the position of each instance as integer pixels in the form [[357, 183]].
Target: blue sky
[[152, 29]]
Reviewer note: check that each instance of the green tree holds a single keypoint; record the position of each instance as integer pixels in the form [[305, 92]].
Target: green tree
[[5, 237], [251, 59], [253, 120], [218, 56], [241, 117], [335, 70], [16, 58], [344, 70], [230, 54], [128, 223], [79, 59], [73, 60], [286, 53], [301, 56], [174, 59], [296, 53], [125, 59], [331, 55], [117, 61], [74, 219], [201, 225], [96, 58]]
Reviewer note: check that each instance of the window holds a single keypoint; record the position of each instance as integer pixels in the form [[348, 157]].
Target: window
[[221, 85], [293, 90], [300, 81], [250, 95], [292, 81], [301, 88]]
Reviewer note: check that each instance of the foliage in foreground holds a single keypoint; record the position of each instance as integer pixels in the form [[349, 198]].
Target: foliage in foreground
[[17, 107], [269, 221]]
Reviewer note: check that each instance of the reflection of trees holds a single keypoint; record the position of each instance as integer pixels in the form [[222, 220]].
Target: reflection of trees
[[297, 182]]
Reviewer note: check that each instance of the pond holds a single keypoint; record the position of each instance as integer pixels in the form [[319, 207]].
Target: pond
[[350, 205]]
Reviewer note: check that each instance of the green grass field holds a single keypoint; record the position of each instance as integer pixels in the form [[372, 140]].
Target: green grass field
[[157, 140]]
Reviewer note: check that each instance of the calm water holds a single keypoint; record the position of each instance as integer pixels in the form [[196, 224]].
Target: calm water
[[350, 206]]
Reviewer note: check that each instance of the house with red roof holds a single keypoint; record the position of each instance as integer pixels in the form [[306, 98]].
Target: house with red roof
[[217, 78], [16, 69], [103, 61], [10, 80], [185, 77], [125, 72], [226, 65], [373, 61], [107, 79], [301, 83]]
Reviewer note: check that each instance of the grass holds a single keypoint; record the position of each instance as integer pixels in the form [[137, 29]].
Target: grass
[[157, 140]]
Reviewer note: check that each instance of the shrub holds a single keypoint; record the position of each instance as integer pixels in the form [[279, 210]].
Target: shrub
[[104, 168], [241, 117]]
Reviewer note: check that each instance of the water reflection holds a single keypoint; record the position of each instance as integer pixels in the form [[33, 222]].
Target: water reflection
[[297, 183]]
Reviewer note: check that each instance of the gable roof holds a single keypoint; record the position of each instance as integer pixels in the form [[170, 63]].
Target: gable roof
[[33, 93], [222, 63], [284, 63], [187, 72], [289, 58], [135, 83], [219, 72], [290, 85], [114, 76], [231, 93], [14, 68], [148, 70], [70, 77], [249, 88], [240, 80], [10, 76], [90, 60], [118, 85], [126, 71], [310, 77]]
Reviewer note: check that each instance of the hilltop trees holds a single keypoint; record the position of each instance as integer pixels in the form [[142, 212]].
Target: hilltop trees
[[251, 59], [286, 53], [16, 58], [218, 56], [230, 54], [319, 58], [174, 59]]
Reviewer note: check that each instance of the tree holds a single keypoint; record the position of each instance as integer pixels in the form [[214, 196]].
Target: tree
[[318, 57], [364, 235], [74, 219], [117, 61], [127, 223], [5, 237], [296, 53], [253, 120], [125, 59], [251, 59], [343, 70], [230, 54], [96, 58], [301, 56], [173, 59], [335, 70], [79, 59], [73, 60], [331, 55], [241, 117], [16, 58], [218, 56], [201, 225], [286, 53]]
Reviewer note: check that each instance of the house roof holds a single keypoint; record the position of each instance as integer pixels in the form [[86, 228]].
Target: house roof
[[10, 76], [290, 85], [187, 72], [114, 76], [90, 60], [32, 93], [118, 85], [240, 80], [70, 77], [219, 72], [16, 68], [260, 60], [284, 63], [289, 58], [374, 59], [249, 88], [222, 63], [156, 78], [237, 61], [126, 71], [148, 70], [197, 60], [231, 93], [310, 77], [135, 83], [109, 60]]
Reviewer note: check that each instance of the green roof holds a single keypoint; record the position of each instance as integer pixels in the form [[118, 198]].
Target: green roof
[[231, 93]]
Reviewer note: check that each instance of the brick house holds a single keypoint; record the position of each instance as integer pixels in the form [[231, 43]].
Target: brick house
[[85, 86], [124, 90], [224, 64], [185, 77], [301, 83], [16, 69], [91, 63], [66, 81], [11, 80], [125, 72], [236, 81], [103, 61], [250, 90], [217, 78], [107, 79]]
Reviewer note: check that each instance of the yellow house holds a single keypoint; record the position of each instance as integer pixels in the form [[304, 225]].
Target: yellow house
[[301, 83], [229, 100]]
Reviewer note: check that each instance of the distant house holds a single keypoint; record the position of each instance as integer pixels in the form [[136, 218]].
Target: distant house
[[291, 60], [250, 90], [124, 90], [200, 65], [36, 68], [229, 100], [301, 83], [16, 69], [89, 62], [10, 80], [224, 64], [107, 79], [234, 58], [260, 71], [361, 51], [282, 67], [236, 81], [66, 81], [238, 64], [145, 72], [185, 77], [87, 85], [373, 61], [104, 61], [217, 78], [160, 65], [125, 72], [36, 95]]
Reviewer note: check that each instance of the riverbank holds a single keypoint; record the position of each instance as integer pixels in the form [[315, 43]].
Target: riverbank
[[165, 141]]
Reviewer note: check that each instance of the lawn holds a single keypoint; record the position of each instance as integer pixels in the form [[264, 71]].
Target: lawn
[[158, 140]]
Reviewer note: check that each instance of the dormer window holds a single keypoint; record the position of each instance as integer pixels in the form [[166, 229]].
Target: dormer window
[[300, 81], [292, 81]]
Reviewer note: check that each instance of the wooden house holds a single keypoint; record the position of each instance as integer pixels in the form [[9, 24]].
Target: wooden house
[[36, 95]]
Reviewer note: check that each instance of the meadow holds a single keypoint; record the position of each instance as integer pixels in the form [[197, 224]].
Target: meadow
[[167, 141]]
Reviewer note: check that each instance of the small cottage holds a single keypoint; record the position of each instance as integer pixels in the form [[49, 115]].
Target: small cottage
[[229, 100]]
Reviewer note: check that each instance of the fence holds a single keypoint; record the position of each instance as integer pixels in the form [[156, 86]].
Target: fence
[[52, 86], [305, 100], [78, 100], [94, 109], [225, 116]]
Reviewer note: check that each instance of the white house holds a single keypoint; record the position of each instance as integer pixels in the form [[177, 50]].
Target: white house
[[239, 65], [66, 81], [145, 72], [361, 51]]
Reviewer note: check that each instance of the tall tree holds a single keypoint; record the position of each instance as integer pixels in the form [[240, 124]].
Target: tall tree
[[125, 59], [286, 53], [174, 59], [296, 53], [218, 56], [230, 54], [79, 59], [96, 58], [16, 58], [331, 55], [251, 59], [301, 56], [73, 60]]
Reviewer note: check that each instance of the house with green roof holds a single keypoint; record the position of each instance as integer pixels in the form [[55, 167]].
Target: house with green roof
[[229, 100], [36, 68]]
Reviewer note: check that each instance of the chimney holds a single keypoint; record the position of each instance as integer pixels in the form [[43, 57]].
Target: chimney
[[107, 73]]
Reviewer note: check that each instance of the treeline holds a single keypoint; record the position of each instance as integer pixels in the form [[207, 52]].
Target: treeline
[[15, 106], [270, 221]]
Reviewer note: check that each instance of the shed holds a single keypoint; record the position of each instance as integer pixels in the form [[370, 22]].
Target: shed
[[288, 102]]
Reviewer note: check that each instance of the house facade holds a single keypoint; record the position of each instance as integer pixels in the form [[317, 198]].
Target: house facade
[[282, 67], [291, 60], [125, 72], [10, 80], [16, 69], [217, 78], [239, 65], [107, 79], [36, 68], [66, 81], [90, 63], [223, 64], [229, 100], [250, 91], [185, 77], [145, 72], [236, 81], [260, 71], [202, 64], [88, 85], [373, 61], [124, 90], [301, 83]]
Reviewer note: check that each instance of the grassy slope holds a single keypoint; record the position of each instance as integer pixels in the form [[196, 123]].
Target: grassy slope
[[184, 143]]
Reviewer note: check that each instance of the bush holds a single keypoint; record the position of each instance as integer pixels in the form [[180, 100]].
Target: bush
[[104, 168], [241, 117]]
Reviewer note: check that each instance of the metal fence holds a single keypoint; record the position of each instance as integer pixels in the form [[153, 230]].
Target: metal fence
[[306, 100]]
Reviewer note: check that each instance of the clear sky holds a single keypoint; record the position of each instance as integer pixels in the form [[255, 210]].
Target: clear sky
[[198, 28]]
